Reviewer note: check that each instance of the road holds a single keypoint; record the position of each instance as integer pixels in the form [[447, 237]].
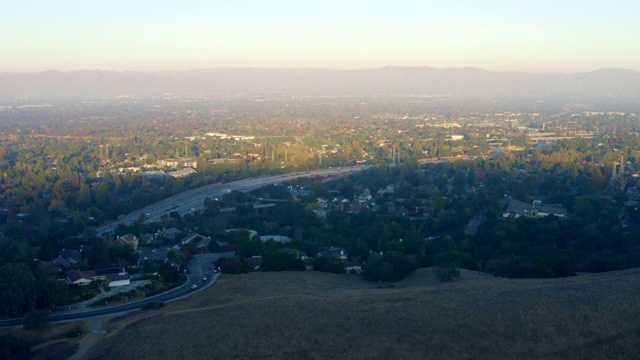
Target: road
[[193, 200], [199, 267]]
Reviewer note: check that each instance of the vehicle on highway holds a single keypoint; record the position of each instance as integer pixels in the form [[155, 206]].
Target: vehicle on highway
[[204, 278], [193, 287]]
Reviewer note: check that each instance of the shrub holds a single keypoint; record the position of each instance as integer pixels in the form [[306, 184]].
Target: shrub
[[74, 333], [155, 305]]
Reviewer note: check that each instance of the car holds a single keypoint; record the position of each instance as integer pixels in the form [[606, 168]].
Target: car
[[197, 260], [193, 287], [204, 278]]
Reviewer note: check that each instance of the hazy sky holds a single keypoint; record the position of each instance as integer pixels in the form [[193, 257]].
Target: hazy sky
[[520, 35]]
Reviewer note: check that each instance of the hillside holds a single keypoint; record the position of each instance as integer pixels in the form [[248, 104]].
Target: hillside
[[320, 316], [387, 80]]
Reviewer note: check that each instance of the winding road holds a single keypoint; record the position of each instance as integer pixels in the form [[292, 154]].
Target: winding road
[[201, 266]]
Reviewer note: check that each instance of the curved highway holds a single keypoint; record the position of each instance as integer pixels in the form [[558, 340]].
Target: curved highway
[[193, 200]]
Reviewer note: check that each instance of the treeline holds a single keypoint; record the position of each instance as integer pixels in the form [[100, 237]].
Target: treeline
[[600, 233]]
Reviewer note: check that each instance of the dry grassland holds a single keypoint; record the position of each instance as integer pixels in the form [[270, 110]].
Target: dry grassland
[[323, 316]]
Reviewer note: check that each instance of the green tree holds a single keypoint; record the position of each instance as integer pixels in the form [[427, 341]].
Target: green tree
[[102, 196], [231, 265], [13, 348], [84, 196], [282, 261], [36, 319], [447, 271], [330, 264]]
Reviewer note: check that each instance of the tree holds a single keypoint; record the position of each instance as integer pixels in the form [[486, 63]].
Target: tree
[[14, 348], [84, 196], [231, 265], [165, 220], [36, 319], [393, 266], [330, 264], [447, 271], [102, 196], [281, 261], [18, 289], [141, 219]]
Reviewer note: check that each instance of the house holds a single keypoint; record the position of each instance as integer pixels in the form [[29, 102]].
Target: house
[[204, 243], [536, 209], [340, 253], [128, 239], [364, 197], [104, 274], [73, 256], [172, 233], [154, 256], [358, 208], [60, 261], [182, 172], [309, 262], [320, 213], [118, 280], [81, 278], [192, 237], [147, 238], [114, 276], [255, 262], [352, 266], [277, 238]]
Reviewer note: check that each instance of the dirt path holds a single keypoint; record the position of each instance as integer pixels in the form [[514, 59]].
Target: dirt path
[[96, 331], [85, 345]]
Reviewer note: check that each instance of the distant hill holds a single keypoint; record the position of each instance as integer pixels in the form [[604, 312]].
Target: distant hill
[[310, 315], [387, 80]]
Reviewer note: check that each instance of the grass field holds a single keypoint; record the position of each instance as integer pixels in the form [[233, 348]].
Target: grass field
[[313, 315], [51, 342]]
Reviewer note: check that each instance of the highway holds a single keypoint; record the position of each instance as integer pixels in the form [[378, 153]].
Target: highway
[[199, 267], [193, 200]]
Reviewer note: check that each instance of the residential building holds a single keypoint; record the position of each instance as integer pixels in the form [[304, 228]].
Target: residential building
[[155, 256], [128, 239], [518, 208]]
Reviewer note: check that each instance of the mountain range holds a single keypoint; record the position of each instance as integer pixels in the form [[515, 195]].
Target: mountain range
[[387, 80]]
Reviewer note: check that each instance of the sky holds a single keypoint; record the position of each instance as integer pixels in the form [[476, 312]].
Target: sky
[[160, 35]]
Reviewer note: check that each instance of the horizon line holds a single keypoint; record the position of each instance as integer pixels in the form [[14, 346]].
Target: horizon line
[[321, 68]]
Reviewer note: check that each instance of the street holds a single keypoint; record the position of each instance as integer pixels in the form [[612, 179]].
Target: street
[[197, 270]]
